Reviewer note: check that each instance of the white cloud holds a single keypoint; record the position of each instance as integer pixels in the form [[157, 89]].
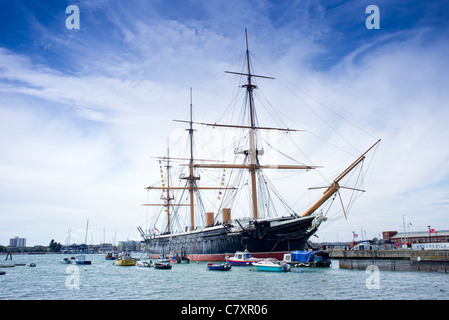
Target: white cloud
[[77, 145]]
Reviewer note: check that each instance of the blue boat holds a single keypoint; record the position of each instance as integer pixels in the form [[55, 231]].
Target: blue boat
[[272, 265], [218, 267], [308, 258]]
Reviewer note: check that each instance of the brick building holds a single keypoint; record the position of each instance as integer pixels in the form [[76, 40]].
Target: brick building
[[417, 237]]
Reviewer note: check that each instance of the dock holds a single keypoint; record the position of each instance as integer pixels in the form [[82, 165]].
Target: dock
[[393, 260]]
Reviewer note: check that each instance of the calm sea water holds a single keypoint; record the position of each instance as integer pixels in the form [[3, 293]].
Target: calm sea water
[[102, 280]]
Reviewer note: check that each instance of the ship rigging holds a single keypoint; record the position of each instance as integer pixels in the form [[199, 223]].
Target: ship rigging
[[264, 235]]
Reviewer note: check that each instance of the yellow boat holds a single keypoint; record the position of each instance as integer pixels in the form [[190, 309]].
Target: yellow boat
[[125, 259]]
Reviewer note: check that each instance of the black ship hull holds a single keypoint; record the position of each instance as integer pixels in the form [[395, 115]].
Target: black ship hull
[[268, 237]]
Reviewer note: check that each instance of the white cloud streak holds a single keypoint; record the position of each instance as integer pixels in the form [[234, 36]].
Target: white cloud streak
[[76, 145]]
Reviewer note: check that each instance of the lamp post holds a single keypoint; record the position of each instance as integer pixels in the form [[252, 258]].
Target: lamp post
[[430, 237]]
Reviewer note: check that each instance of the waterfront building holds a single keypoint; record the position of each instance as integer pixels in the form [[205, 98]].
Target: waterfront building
[[129, 245], [17, 243], [431, 235]]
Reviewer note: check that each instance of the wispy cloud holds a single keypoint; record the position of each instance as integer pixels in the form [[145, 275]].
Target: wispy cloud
[[81, 111]]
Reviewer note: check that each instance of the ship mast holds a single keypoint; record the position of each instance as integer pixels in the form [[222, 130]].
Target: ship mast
[[252, 147], [253, 165], [168, 189], [191, 185], [191, 176]]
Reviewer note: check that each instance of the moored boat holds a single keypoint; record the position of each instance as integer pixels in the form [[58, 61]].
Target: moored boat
[[65, 261], [110, 255], [272, 265], [81, 259], [162, 265], [145, 263], [218, 267], [125, 259], [242, 258], [308, 259], [163, 259], [176, 257]]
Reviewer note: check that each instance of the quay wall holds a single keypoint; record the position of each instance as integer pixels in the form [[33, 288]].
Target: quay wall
[[395, 265], [396, 254]]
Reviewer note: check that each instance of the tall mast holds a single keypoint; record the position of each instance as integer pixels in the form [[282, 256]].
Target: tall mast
[[168, 189], [191, 177], [252, 147], [87, 227]]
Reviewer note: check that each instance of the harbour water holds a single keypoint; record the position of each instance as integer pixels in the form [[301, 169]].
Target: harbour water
[[102, 280]]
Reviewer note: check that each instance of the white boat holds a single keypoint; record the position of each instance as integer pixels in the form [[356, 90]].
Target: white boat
[[81, 259], [145, 264], [272, 265], [163, 259], [242, 258]]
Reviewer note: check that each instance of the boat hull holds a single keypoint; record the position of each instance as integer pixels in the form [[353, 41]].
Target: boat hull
[[221, 267], [125, 262], [265, 238], [270, 268]]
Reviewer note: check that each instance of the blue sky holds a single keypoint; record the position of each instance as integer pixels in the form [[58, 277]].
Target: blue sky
[[82, 111]]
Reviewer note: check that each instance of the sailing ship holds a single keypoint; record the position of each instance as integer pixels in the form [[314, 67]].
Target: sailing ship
[[262, 236]]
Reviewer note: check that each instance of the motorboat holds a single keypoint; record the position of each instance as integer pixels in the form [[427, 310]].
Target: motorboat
[[163, 259], [125, 259], [242, 258], [218, 267], [176, 257], [110, 255], [308, 259], [162, 265], [65, 261], [145, 264], [272, 265], [81, 259]]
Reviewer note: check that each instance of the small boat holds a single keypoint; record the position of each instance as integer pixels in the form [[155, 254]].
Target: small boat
[[110, 255], [162, 265], [125, 259], [308, 259], [2, 272], [32, 264], [176, 257], [163, 259], [218, 267], [272, 265], [81, 259], [65, 261], [242, 258], [7, 265], [145, 264]]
